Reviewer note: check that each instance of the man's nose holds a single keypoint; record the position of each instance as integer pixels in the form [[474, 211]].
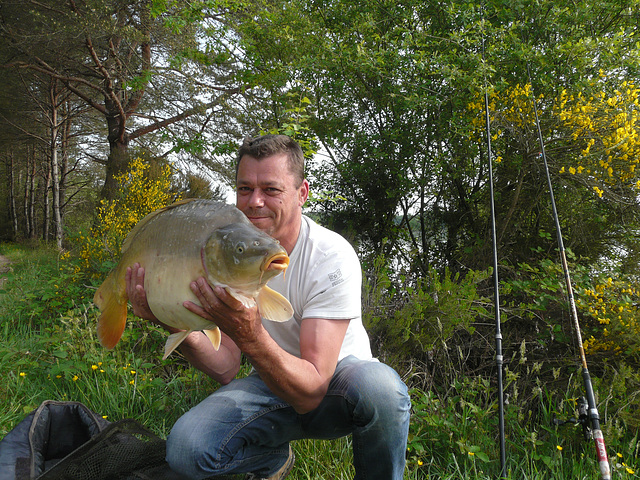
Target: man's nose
[[256, 200]]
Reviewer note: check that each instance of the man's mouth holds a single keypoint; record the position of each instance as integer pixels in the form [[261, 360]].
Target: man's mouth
[[257, 216]]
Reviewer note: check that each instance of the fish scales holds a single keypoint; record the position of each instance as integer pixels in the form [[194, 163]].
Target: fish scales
[[180, 243]]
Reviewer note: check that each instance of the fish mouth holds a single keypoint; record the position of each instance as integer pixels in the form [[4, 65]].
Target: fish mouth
[[279, 261]]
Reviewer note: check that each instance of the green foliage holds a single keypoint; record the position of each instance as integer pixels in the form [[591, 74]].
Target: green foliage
[[455, 436], [297, 110], [56, 355], [619, 389], [425, 315], [607, 308]]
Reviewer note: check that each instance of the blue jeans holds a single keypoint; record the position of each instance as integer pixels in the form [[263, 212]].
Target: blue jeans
[[243, 427]]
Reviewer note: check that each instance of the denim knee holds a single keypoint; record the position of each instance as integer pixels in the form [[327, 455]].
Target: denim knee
[[187, 454], [378, 391]]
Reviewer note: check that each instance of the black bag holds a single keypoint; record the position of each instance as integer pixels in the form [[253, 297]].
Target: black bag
[[66, 440]]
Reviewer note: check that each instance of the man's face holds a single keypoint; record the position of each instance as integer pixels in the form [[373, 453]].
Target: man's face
[[268, 195]]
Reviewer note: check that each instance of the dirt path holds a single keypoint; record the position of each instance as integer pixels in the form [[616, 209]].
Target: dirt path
[[5, 266]]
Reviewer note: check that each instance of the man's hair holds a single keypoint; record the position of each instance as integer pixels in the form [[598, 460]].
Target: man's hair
[[268, 145]]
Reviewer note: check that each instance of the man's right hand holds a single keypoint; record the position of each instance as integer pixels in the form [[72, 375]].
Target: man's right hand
[[134, 279]]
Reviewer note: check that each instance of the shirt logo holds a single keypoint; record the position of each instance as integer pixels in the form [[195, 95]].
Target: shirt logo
[[336, 278]]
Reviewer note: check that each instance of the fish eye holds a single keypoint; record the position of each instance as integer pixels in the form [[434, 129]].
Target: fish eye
[[240, 247]]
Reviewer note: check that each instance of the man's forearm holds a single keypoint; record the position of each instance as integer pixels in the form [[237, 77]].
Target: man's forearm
[[221, 365]]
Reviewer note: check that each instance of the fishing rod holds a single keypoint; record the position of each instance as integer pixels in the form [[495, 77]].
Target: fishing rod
[[592, 415], [496, 288], [496, 296]]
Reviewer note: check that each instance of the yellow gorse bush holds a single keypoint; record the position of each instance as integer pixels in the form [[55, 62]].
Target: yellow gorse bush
[[139, 194], [601, 130], [601, 135], [606, 127], [613, 304]]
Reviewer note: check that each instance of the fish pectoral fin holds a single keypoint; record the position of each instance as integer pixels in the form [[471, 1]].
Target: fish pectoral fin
[[173, 341], [214, 336], [112, 319], [274, 306], [246, 301]]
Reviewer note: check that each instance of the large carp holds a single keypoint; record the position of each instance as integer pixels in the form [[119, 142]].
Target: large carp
[[180, 243]]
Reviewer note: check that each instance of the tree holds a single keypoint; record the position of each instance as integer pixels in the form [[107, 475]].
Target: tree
[[390, 83], [110, 54]]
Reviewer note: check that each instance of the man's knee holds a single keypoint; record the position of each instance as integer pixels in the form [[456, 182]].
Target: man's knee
[[379, 385], [187, 452]]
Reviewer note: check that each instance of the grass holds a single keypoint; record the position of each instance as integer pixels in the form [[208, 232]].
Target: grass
[[48, 351]]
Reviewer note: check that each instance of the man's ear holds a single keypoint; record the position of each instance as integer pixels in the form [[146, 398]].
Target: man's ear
[[303, 192]]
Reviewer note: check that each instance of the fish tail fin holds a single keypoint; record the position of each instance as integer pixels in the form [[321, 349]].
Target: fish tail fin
[[174, 340], [214, 336], [274, 306], [113, 317]]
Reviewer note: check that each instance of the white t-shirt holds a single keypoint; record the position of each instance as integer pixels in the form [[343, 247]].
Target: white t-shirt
[[323, 280]]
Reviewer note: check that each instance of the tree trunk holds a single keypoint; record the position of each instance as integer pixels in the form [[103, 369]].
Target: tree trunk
[[25, 205], [32, 197], [118, 160], [64, 161], [54, 169], [12, 197], [46, 205]]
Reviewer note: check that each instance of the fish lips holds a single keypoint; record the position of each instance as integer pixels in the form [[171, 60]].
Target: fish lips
[[278, 261]]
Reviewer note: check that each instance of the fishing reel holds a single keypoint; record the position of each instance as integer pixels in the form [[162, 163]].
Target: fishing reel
[[583, 419]]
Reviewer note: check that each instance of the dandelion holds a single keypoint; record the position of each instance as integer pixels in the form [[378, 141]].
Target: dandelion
[[133, 372], [619, 455], [104, 416], [420, 463], [559, 448], [630, 471], [94, 367], [132, 382], [23, 374], [75, 378], [471, 454]]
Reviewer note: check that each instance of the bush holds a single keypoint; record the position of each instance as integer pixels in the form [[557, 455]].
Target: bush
[[142, 190], [415, 320]]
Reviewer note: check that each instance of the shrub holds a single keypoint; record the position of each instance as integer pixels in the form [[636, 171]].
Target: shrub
[[415, 319], [142, 190]]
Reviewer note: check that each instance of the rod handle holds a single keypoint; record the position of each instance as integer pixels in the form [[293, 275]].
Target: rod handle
[[601, 453]]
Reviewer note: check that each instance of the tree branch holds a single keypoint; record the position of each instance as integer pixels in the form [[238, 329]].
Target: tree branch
[[181, 116]]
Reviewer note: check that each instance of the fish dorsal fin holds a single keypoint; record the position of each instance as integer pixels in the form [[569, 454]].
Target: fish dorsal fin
[[274, 306], [140, 225], [173, 341], [214, 336]]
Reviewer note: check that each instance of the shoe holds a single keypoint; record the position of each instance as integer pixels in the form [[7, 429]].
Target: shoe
[[280, 474]]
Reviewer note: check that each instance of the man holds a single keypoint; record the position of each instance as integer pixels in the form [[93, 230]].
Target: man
[[314, 376]]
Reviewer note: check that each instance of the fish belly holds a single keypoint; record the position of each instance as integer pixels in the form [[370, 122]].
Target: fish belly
[[167, 287]]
